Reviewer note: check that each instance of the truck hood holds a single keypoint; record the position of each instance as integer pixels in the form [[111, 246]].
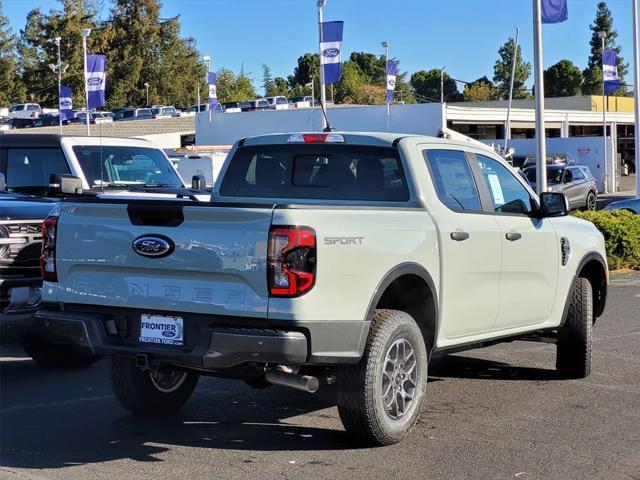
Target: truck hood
[[21, 207]]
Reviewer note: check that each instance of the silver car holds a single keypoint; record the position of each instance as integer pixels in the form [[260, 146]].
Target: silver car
[[575, 181], [631, 205]]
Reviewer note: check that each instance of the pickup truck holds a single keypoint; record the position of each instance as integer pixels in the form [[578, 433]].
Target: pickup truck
[[27, 164], [343, 257]]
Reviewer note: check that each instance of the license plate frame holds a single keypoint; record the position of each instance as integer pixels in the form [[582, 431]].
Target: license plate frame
[[161, 329]]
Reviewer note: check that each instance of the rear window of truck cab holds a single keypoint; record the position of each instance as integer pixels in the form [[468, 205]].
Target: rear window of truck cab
[[331, 172]]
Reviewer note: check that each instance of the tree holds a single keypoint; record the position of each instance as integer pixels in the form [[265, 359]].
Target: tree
[[37, 50], [234, 88], [278, 87], [480, 90], [348, 88], [308, 66], [11, 87], [502, 72], [426, 86], [563, 79], [593, 73], [267, 80]]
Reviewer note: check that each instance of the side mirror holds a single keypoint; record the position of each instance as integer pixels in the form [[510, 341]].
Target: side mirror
[[553, 204], [3, 183], [198, 182], [63, 184]]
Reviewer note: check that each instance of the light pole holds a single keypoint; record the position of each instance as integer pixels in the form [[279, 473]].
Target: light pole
[[442, 84], [146, 86], [313, 94], [385, 45], [85, 33], [602, 35], [207, 61], [323, 96], [58, 69], [636, 93], [538, 61]]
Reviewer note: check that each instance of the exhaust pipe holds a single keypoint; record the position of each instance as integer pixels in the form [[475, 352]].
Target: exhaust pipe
[[304, 383]]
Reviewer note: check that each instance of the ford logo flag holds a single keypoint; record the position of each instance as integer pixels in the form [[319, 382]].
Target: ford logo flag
[[331, 52], [154, 246], [330, 46], [392, 73], [96, 76]]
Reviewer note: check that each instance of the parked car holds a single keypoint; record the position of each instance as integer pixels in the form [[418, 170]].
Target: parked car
[[25, 110], [85, 167], [235, 107], [164, 112], [255, 105], [576, 182], [96, 117], [397, 246], [278, 102], [631, 205], [304, 101], [552, 159], [192, 110], [133, 114], [47, 120]]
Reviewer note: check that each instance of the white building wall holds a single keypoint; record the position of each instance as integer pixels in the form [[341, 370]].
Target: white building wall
[[226, 128]]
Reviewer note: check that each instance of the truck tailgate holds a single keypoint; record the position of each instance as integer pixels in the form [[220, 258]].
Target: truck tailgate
[[217, 263]]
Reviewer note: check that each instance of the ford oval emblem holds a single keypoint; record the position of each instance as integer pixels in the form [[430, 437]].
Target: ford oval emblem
[[154, 246], [331, 52], [94, 81], [168, 334]]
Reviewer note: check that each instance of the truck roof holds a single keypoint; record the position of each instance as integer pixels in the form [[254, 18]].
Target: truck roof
[[54, 140], [382, 139]]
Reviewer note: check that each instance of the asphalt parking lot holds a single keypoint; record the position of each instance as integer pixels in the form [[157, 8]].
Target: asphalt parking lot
[[494, 413]]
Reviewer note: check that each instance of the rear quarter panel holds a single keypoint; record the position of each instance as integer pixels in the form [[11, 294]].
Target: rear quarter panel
[[356, 248]]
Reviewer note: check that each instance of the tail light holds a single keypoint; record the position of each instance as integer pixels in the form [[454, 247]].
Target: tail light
[[291, 261], [48, 257]]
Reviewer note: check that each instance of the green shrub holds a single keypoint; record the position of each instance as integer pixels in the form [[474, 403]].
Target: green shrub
[[621, 230]]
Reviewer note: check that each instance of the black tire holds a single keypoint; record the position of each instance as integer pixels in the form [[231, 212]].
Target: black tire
[[575, 337], [360, 386], [591, 201], [54, 355], [140, 394]]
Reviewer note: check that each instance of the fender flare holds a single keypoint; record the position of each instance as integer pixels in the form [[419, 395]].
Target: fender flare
[[583, 262], [407, 268]]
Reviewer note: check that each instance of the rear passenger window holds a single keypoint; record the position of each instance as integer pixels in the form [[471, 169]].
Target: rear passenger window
[[577, 174], [332, 172], [453, 180]]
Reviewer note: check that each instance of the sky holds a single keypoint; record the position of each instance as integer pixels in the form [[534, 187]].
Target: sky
[[463, 35]]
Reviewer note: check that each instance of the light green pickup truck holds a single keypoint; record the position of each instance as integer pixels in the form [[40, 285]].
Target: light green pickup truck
[[338, 257]]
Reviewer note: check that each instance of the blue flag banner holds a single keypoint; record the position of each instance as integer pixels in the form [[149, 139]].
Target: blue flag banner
[[96, 80], [554, 11], [213, 90], [610, 72], [330, 51], [392, 73], [66, 104]]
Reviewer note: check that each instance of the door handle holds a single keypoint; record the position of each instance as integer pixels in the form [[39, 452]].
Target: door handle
[[459, 236], [513, 236]]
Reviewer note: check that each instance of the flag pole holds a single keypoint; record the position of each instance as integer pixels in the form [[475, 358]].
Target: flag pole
[[541, 151], [603, 36], [636, 92], [85, 33], [507, 132], [323, 95]]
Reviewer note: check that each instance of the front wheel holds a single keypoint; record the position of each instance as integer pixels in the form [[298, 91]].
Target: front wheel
[[380, 397], [575, 336], [54, 355], [147, 393]]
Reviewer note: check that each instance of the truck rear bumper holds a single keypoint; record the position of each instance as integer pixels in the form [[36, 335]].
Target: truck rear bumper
[[209, 341], [19, 300]]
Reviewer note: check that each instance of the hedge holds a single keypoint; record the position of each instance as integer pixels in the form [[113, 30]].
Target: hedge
[[621, 230]]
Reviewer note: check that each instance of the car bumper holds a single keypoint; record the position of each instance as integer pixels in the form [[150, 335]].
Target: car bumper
[[19, 300], [210, 342]]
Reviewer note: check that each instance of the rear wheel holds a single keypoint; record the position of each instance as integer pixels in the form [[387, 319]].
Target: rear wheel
[[147, 393], [591, 201], [54, 355], [380, 397], [575, 336]]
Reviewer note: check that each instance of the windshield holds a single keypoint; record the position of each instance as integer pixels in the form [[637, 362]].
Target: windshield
[[123, 165], [554, 175]]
